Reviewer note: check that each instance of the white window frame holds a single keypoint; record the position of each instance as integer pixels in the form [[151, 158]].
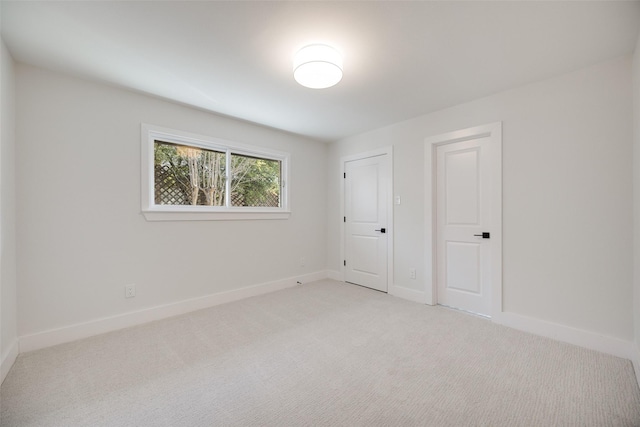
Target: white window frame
[[154, 212]]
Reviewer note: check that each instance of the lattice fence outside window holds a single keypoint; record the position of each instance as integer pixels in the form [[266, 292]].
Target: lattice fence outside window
[[167, 191], [200, 178], [185, 175]]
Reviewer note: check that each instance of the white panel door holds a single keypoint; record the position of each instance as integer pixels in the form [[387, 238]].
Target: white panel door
[[366, 183], [463, 258]]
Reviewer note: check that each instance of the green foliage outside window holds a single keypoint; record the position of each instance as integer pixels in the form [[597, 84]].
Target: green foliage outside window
[[186, 175]]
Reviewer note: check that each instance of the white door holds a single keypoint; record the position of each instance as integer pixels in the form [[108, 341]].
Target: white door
[[463, 216], [366, 228]]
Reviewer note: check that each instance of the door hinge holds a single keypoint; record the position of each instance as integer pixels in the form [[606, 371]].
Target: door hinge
[[345, 174], [345, 263], [345, 219]]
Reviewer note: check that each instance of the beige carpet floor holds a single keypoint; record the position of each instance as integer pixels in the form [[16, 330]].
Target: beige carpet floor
[[321, 354]]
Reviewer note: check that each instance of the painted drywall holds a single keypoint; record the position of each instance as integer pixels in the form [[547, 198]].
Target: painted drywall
[[81, 235], [636, 202], [8, 309], [567, 186]]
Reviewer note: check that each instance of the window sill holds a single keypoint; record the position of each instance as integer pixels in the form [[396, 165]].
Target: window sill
[[212, 216]]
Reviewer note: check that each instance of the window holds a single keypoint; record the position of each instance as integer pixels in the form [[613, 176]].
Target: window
[[191, 177]]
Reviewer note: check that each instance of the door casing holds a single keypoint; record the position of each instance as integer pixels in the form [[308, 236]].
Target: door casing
[[494, 132]]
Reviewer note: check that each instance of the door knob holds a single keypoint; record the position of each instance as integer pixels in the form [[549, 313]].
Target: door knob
[[382, 230], [484, 235]]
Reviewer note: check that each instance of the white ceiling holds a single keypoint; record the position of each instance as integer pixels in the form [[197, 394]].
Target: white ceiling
[[401, 59]]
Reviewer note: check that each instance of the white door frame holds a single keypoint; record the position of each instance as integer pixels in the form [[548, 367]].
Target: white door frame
[[388, 151], [493, 131]]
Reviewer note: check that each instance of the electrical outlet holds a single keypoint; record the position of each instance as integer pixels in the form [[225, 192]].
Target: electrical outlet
[[130, 291], [303, 261], [412, 273]]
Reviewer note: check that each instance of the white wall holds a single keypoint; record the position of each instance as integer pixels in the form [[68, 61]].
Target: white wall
[[636, 204], [567, 185], [81, 237], [8, 314]]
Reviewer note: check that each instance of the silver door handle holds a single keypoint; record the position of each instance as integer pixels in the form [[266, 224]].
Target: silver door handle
[[382, 230]]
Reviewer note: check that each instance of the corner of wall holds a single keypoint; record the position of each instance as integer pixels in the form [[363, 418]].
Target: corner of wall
[[636, 362], [636, 207], [8, 280], [8, 359], [335, 275]]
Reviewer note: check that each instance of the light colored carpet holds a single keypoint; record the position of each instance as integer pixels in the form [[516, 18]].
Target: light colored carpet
[[325, 353]]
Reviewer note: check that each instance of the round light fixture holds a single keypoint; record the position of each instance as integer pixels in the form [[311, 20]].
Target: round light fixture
[[317, 66]]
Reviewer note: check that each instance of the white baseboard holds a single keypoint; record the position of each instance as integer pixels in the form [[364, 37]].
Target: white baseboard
[[335, 275], [591, 340], [99, 326], [409, 294], [397, 291], [636, 361], [312, 277], [8, 359]]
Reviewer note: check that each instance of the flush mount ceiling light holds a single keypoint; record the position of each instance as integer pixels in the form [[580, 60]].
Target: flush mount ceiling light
[[317, 66]]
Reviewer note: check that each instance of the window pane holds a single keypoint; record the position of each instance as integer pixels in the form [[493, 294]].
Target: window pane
[[255, 181], [185, 175]]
